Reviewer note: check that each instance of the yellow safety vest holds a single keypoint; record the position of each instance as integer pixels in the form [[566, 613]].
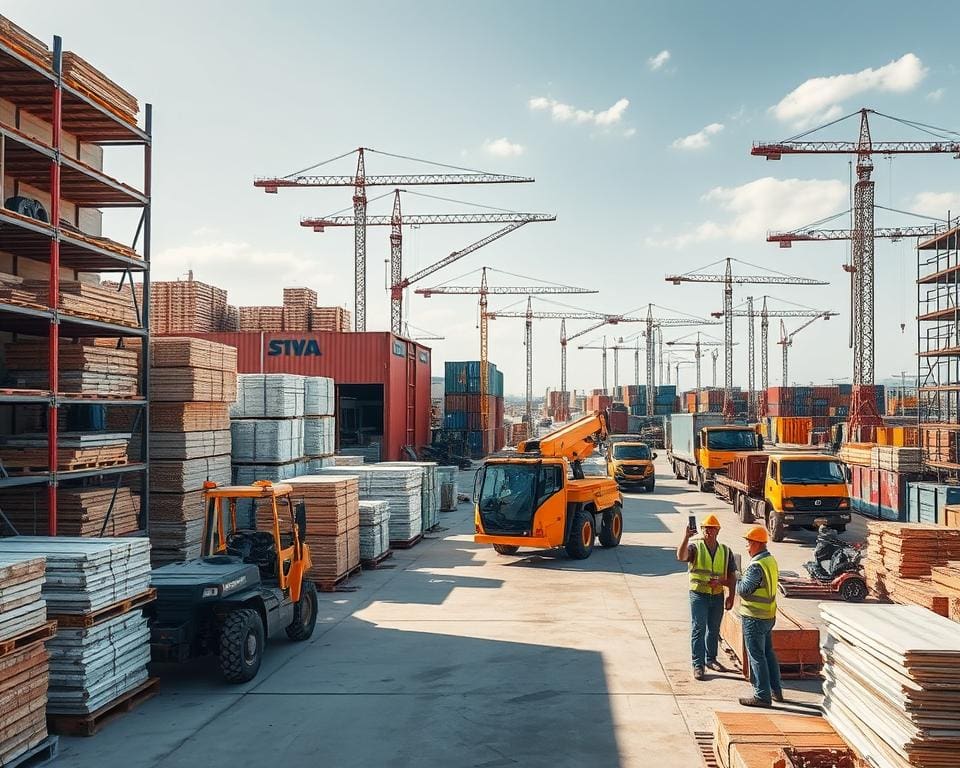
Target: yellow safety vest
[[762, 604], [704, 567]]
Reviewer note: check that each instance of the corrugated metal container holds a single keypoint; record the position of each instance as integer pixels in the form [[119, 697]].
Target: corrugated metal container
[[926, 501]]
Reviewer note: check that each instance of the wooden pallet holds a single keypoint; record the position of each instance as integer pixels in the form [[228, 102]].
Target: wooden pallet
[[27, 639], [86, 620], [88, 725], [333, 585], [373, 563], [704, 741], [45, 752], [408, 543]]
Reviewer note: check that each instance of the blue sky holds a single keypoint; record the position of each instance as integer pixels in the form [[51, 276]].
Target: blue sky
[[640, 189]]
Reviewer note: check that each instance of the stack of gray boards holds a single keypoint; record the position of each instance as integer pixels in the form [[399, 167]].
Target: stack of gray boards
[[319, 425], [447, 477], [400, 487], [374, 530], [429, 490], [95, 589], [892, 683]]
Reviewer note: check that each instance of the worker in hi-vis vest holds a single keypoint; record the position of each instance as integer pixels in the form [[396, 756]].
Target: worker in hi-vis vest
[[712, 568], [758, 612]]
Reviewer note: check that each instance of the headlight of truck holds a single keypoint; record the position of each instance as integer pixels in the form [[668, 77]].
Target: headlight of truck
[[788, 504], [211, 592], [844, 504]]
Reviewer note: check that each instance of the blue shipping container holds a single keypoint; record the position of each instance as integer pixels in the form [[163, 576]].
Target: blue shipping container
[[925, 501], [455, 420]]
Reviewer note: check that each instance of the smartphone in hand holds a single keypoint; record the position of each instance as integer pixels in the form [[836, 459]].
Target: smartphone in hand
[[692, 524]]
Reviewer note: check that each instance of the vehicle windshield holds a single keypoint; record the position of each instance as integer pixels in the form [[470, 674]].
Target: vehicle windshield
[[507, 496], [631, 452], [732, 440], [811, 472]]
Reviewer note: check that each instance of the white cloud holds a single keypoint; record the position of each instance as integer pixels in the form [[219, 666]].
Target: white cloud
[[936, 95], [503, 147], [700, 139], [762, 205], [819, 98], [657, 62], [936, 204], [565, 113], [630, 132]]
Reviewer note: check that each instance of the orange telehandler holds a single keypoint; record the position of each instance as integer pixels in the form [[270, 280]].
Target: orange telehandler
[[540, 498]]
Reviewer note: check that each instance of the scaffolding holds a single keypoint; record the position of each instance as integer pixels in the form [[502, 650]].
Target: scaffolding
[[938, 351], [54, 164]]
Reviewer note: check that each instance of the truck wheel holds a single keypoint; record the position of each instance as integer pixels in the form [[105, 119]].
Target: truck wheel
[[611, 526], [241, 645], [304, 613], [648, 487], [580, 543], [744, 509], [505, 549], [775, 526]]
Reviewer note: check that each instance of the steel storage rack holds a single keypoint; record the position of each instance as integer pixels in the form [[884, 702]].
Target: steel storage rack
[[76, 121]]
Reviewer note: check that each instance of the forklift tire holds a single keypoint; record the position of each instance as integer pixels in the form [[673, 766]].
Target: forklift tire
[[853, 590], [743, 509], [241, 645], [611, 526], [580, 543], [775, 525], [505, 549], [304, 613]]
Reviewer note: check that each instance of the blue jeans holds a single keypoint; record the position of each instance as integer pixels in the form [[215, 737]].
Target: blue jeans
[[764, 667], [706, 613]]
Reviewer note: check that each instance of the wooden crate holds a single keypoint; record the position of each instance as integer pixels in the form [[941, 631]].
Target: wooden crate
[[796, 643]]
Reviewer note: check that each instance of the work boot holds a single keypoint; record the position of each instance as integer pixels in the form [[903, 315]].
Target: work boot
[[777, 696], [698, 673], [753, 701], [716, 666]]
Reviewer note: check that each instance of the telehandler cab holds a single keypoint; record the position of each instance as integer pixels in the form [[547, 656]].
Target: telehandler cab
[[246, 586]]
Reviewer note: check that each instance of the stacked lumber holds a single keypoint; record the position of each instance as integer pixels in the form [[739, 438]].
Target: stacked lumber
[[26, 45], [80, 511], [896, 458], [319, 436], [429, 490], [75, 450], [84, 368], [795, 641], [892, 683], [88, 79], [939, 445], [374, 530], [333, 524], [24, 669], [94, 588], [758, 739], [447, 477], [194, 382], [399, 486], [305, 298], [261, 318], [187, 306], [331, 320], [946, 580], [951, 516], [231, 321], [860, 454], [76, 298]]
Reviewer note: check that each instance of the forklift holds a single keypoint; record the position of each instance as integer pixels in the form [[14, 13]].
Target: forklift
[[245, 587]]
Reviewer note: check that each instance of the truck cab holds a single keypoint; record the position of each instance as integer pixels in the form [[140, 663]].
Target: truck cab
[[718, 446], [802, 488], [630, 463]]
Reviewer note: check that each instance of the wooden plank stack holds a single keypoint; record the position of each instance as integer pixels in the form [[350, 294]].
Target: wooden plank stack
[[374, 530], [188, 306], [84, 368], [76, 298], [331, 319], [86, 78], [261, 318], [892, 683], [795, 641], [398, 486], [856, 453], [27, 452], [24, 43], [757, 739], [193, 382], [80, 511], [896, 458], [946, 581], [24, 667], [299, 314]]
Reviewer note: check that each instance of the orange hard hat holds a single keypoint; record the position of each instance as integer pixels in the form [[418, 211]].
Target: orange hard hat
[[710, 521], [756, 533]]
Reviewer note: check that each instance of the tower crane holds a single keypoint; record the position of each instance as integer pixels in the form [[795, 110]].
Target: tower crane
[[676, 367], [765, 315], [424, 335], [863, 411], [697, 347], [728, 279], [483, 291], [616, 348], [360, 181], [396, 220], [786, 340]]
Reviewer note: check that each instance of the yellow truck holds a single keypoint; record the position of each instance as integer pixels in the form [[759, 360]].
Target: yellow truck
[[787, 490], [701, 446], [630, 462]]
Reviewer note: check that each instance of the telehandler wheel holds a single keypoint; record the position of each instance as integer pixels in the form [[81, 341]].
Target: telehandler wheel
[[580, 544], [775, 525], [743, 509], [241, 645], [505, 549], [304, 613], [611, 526]]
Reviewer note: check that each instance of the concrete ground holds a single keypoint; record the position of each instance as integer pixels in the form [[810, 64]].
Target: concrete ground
[[454, 656]]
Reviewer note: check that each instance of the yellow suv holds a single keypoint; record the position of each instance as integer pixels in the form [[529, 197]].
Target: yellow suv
[[631, 464]]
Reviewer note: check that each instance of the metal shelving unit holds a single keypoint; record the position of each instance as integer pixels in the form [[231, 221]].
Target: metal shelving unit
[[42, 92]]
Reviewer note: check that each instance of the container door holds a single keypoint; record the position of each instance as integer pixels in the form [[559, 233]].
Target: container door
[[410, 435]]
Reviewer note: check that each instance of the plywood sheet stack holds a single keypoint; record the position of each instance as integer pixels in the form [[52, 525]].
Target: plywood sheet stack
[[86, 78], [102, 645], [84, 368], [331, 319], [892, 683], [24, 666], [187, 306], [75, 450], [76, 298], [24, 43], [80, 511], [193, 383], [400, 488], [429, 490], [899, 560], [757, 739], [796, 642], [261, 318], [897, 459], [374, 530], [946, 580], [860, 454]]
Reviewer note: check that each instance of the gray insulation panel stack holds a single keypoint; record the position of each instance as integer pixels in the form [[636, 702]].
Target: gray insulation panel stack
[[447, 478], [267, 441], [374, 529], [318, 436], [268, 396], [429, 490], [318, 397], [399, 486]]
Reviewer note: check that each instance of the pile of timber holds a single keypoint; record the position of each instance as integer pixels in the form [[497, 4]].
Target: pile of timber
[[333, 525], [75, 450], [298, 303], [759, 739], [95, 589], [860, 454], [945, 579], [84, 368], [892, 684], [299, 313], [80, 511], [939, 445], [374, 530], [331, 320], [900, 559], [189, 306], [399, 487], [897, 459], [24, 667], [75, 298], [26, 45], [261, 319], [190, 441], [86, 78], [795, 641]]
